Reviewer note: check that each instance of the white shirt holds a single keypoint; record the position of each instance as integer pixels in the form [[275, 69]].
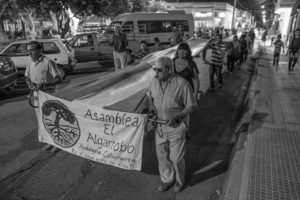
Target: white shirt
[[42, 71]]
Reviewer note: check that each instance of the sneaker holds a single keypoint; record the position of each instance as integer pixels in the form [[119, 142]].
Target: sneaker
[[165, 186], [47, 147], [177, 187], [211, 89], [54, 150], [220, 86]]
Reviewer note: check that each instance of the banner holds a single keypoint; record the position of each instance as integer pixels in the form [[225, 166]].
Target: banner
[[105, 136]]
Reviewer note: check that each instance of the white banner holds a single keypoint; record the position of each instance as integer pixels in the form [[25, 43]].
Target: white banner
[[105, 136]]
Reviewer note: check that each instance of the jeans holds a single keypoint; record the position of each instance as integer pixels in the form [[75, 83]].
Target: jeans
[[215, 69]]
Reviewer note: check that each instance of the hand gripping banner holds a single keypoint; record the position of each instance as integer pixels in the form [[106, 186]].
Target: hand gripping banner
[[109, 137]]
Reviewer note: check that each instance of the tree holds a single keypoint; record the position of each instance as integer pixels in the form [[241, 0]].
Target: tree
[[63, 127], [3, 5]]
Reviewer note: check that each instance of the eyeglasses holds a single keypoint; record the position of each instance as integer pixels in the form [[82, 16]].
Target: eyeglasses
[[157, 69]]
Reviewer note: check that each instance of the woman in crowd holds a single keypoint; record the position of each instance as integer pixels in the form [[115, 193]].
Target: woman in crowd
[[185, 66]]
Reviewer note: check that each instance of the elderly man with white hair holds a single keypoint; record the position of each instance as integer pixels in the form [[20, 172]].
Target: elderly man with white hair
[[119, 44], [172, 100]]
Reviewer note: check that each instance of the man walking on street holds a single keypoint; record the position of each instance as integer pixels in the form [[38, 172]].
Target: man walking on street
[[278, 44], [294, 50], [41, 73], [119, 43], [172, 99], [217, 57]]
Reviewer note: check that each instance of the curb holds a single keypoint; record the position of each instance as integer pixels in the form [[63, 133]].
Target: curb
[[234, 178]]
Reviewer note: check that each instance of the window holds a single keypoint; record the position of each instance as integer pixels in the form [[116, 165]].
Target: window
[[17, 50], [50, 48], [127, 27], [84, 41], [162, 26]]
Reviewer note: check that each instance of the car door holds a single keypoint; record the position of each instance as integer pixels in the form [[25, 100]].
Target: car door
[[86, 48], [19, 55]]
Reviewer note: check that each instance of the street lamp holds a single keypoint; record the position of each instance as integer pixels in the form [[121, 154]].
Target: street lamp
[[262, 7], [263, 12]]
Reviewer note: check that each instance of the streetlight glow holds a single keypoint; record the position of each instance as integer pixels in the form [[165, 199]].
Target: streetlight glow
[[262, 6]]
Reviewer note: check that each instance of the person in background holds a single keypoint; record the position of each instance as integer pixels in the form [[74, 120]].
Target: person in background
[[233, 53], [244, 49], [172, 100], [294, 50], [143, 51], [264, 37], [177, 36], [277, 49], [185, 66], [157, 45], [216, 64], [129, 58], [41, 73], [119, 43]]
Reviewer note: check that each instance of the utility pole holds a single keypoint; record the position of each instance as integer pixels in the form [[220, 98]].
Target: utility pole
[[233, 14]]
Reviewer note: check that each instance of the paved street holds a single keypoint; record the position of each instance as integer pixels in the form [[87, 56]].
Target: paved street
[[28, 173]]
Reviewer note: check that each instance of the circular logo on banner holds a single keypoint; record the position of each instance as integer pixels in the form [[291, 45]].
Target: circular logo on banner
[[60, 123]]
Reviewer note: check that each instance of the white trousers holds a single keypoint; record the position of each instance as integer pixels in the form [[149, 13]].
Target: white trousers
[[170, 150]]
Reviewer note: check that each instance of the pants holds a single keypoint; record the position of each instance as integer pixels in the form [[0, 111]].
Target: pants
[[276, 58], [293, 58], [215, 69], [170, 149], [230, 63], [243, 56], [119, 60]]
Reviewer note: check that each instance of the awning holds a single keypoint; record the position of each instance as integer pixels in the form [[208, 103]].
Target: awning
[[295, 7]]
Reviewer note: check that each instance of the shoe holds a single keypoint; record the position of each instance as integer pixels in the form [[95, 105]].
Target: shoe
[[47, 147], [177, 187], [211, 89], [54, 150], [230, 73], [220, 86], [165, 186]]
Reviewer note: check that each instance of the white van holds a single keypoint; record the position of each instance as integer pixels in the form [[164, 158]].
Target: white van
[[146, 26]]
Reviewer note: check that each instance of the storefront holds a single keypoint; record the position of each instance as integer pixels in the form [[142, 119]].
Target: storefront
[[209, 14]]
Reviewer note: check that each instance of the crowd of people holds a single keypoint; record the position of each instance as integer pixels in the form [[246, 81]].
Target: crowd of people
[[174, 91]]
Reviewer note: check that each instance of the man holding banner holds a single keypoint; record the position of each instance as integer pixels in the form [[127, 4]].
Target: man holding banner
[[40, 73], [172, 99]]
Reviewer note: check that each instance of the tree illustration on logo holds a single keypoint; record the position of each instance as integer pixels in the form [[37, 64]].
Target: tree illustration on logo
[[60, 123]]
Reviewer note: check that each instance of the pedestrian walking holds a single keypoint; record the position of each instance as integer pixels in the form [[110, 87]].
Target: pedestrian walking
[[157, 45], [294, 50], [172, 99], [233, 53], [185, 66], [277, 49], [264, 37], [119, 44], [41, 73], [177, 35], [217, 57], [244, 49]]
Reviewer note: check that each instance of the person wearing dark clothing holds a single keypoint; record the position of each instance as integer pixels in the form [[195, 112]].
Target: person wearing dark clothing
[[294, 50], [244, 49], [185, 66], [233, 53], [264, 37], [278, 44], [119, 44]]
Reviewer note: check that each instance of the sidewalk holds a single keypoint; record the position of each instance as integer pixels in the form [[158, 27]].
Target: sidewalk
[[266, 161]]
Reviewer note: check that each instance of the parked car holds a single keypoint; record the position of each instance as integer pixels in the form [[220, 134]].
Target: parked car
[[8, 72], [54, 49]]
